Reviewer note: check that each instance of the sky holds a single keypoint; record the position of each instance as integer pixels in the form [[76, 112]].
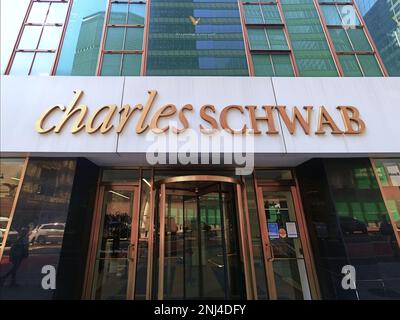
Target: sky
[[11, 15]]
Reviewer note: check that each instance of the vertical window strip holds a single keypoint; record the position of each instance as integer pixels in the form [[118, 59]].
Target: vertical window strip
[[12, 67], [259, 4], [358, 25], [123, 52]]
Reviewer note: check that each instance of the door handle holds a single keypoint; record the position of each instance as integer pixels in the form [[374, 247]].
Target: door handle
[[270, 250], [131, 251]]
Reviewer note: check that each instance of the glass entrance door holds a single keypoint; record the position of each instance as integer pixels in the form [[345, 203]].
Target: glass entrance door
[[282, 233], [199, 254], [114, 272]]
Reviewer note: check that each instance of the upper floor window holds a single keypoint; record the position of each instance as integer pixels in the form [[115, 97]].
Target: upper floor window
[[39, 40], [355, 53], [123, 48], [267, 41]]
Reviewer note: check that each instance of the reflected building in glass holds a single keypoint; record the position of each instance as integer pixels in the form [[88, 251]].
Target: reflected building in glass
[[107, 224]]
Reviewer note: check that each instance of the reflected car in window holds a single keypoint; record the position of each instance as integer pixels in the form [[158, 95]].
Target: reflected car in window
[[49, 232]]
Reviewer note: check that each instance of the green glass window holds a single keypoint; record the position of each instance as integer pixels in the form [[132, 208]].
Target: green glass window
[[80, 50], [369, 65], [272, 65], [267, 39], [115, 64], [359, 40], [258, 39], [282, 65], [121, 38], [271, 14], [253, 14], [340, 39], [277, 39], [262, 65], [350, 65], [131, 64], [308, 41], [118, 13]]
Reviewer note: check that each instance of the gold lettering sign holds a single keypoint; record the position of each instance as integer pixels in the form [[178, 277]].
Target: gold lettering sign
[[103, 120]]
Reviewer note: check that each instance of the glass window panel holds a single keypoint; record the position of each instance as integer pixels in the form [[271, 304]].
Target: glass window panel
[[131, 64], [44, 200], [136, 13], [359, 40], [262, 65], [30, 37], [350, 65], [310, 47], [348, 15], [111, 65], [115, 38], [258, 39], [81, 45], [42, 64], [118, 13], [271, 14], [331, 15], [282, 65], [38, 12], [134, 39], [369, 65], [50, 38], [22, 63], [340, 39], [57, 12], [10, 177], [277, 39], [253, 14]]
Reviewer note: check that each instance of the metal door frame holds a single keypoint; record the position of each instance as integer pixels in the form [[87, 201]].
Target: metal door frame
[[303, 235], [96, 233]]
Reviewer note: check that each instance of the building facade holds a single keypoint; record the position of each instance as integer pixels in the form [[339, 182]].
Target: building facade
[[200, 149]]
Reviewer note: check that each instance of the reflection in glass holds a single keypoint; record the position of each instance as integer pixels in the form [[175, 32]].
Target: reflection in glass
[[50, 38], [112, 261], [38, 12], [143, 235], [42, 64], [30, 37], [290, 274], [22, 63], [10, 178], [202, 257], [388, 173], [39, 222], [57, 12], [81, 44]]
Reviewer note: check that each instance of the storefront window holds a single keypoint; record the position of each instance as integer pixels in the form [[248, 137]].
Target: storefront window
[[350, 225], [38, 230], [82, 40], [387, 172], [10, 178]]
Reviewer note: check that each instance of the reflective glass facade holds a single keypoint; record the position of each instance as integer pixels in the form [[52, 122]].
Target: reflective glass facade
[[190, 37], [383, 21], [303, 38]]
